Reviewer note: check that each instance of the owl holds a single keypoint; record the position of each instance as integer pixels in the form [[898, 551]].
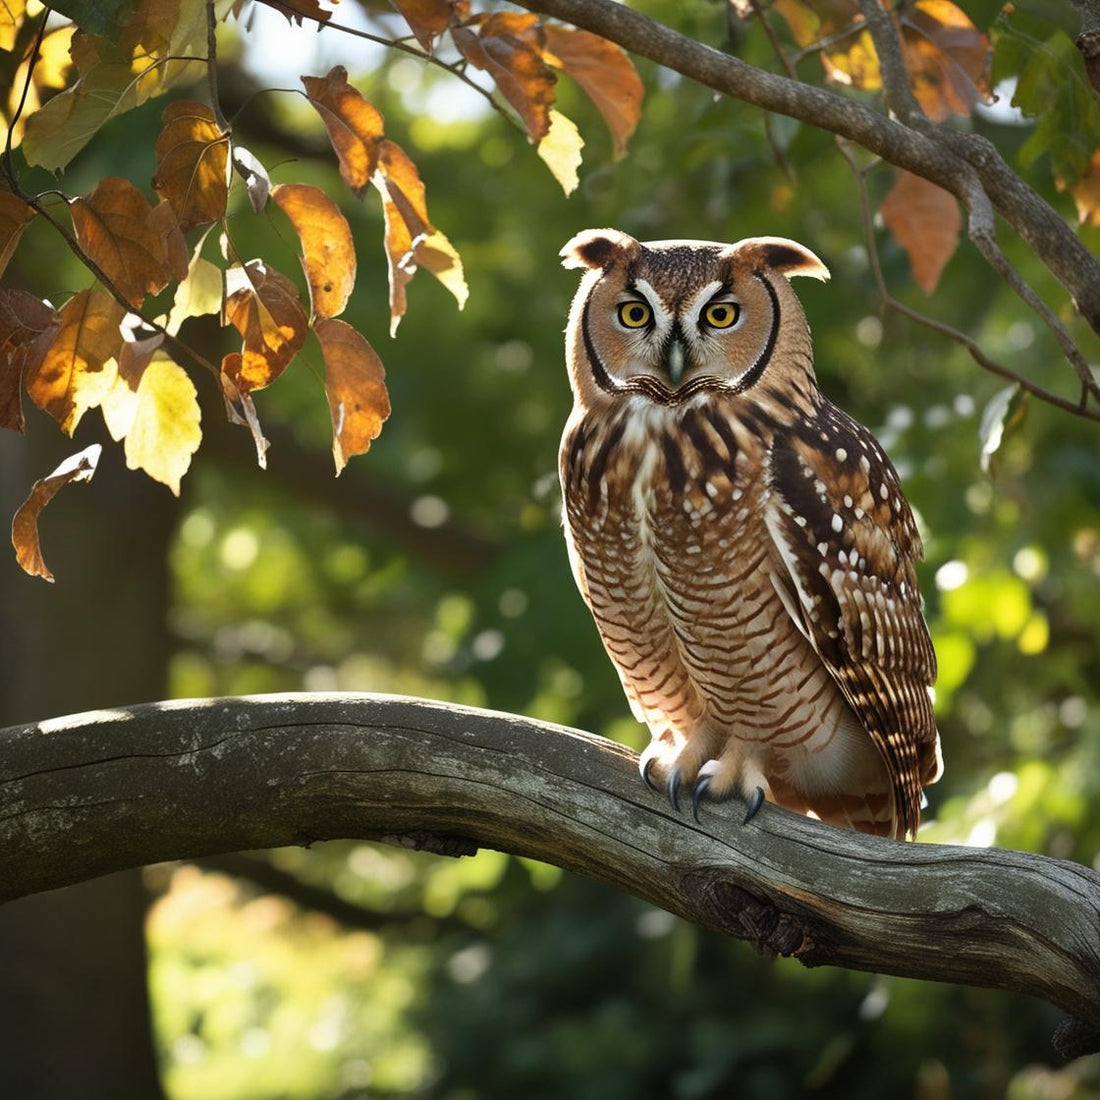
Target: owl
[[743, 545]]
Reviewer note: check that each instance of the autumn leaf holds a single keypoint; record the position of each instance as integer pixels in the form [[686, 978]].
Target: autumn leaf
[[355, 387], [297, 11], [508, 46], [24, 527], [256, 181], [428, 19], [69, 379], [925, 221], [14, 216], [241, 409], [605, 72], [1086, 193], [11, 17], [192, 162], [947, 57], [200, 292], [114, 227], [561, 151], [263, 305], [164, 432], [27, 326], [328, 252], [354, 126], [410, 238]]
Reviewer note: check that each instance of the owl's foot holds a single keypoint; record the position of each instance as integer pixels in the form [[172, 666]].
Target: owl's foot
[[753, 803], [678, 773]]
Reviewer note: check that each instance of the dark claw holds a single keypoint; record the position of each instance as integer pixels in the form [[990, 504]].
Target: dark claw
[[697, 795], [673, 789], [756, 800], [645, 770]]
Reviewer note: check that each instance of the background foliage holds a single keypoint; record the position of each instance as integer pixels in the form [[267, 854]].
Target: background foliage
[[496, 977]]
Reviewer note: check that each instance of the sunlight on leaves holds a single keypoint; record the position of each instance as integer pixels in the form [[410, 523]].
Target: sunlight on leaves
[[199, 293], [355, 387], [69, 379], [24, 527], [925, 220], [192, 164], [328, 251], [561, 151], [606, 74], [428, 19], [354, 126], [114, 227], [1004, 412], [11, 18], [164, 432], [256, 181], [263, 305]]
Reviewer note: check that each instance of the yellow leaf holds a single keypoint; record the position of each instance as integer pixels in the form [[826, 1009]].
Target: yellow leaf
[[164, 432], [355, 387], [199, 293], [561, 151], [24, 527], [328, 252], [118, 405], [192, 163], [11, 16]]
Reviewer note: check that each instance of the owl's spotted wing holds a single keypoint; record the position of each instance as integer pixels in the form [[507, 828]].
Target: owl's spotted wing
[[847, 541]]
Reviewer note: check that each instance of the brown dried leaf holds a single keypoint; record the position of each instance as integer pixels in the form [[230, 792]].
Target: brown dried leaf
[[241, 410], [69, 378], [605, 72], [354, 126], [925, 221], [509, 46], [192, 164], [24, 527], [115, 228], [27, 325], [328, 252], [297, 11], [428, 19], [263, 305], [355, 387], [947, 57], [14, 216], [410, 238]]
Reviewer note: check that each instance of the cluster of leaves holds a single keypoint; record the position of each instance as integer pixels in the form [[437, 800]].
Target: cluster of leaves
[[100, 350]]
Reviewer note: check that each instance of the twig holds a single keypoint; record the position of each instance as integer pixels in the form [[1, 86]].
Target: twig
[[896, 88], [9, 167], [890, 302], [212, 65], [777, 46]]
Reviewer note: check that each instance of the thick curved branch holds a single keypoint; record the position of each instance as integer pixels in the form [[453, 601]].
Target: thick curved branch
[[85, 795], [941, 155]]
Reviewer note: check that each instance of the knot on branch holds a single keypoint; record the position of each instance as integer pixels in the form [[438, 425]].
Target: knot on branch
[[737, 912], [440, 844]]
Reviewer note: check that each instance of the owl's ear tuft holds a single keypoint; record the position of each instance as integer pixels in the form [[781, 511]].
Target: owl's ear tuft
[[785, 256], [599, 248]]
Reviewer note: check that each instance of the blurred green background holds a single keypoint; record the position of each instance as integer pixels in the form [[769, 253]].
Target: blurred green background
[[435, 566]]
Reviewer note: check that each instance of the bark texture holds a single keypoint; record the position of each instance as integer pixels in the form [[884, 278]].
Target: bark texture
[[94, 793]]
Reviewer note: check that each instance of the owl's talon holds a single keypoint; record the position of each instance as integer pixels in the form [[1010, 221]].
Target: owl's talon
[[672, 788], [697, 795], [645, 765], [756, 800]]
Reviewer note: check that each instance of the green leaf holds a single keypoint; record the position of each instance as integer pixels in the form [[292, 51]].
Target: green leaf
[[1004, 412], [96, 16]]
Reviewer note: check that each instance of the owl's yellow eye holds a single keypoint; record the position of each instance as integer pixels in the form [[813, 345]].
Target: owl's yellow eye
[[635, 314], [721, 314]]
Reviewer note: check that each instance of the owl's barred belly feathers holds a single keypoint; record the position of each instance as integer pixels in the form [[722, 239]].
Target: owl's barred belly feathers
[[743, 545]]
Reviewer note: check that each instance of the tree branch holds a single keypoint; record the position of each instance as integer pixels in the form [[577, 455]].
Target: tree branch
[[97, 792], [942, 155]]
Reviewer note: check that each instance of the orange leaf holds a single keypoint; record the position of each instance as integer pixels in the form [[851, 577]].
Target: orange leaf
[[114, 227], [1086, 193], [948, 58], [354, 126], [14, 215], [24, 527], [428, 19], [410, 238], [328, 252], [297, 11], [27, 325], [925, 221], [605, 72], [69, 378], [509, 47], [263, 305], [192, 163], [240, 408], [355, 387]]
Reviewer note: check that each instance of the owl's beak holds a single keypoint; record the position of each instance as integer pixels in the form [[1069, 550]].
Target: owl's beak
[[676, 360]]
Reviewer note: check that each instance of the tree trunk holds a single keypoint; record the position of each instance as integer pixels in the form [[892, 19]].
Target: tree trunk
[[74, 1010]]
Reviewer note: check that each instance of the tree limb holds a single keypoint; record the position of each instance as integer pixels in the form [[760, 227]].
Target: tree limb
[[93, 793], [938, 154]]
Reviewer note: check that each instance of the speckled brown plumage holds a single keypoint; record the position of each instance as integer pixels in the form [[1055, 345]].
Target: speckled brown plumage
[[743, 545]]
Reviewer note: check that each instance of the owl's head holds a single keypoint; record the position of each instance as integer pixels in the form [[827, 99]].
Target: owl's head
[[672, 319]]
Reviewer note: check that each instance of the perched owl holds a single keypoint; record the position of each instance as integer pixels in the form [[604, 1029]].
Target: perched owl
[[744, 546]]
